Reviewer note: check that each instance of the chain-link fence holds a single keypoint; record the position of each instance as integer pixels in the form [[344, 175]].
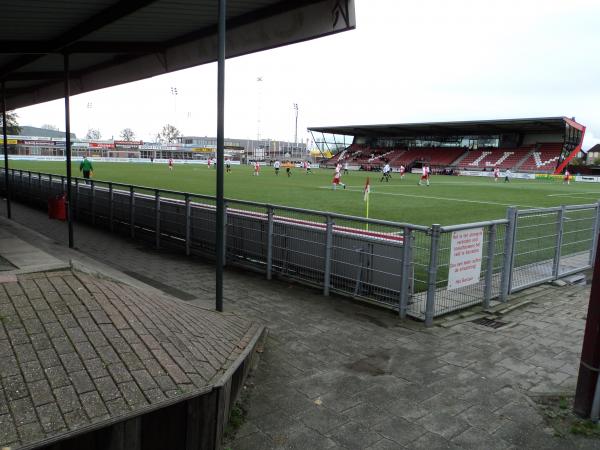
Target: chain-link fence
[[422, 272]]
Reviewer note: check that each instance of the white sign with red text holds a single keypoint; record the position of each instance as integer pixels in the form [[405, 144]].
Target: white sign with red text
[[466, 252]]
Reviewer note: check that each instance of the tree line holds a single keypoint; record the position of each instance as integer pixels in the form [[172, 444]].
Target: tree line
[[167, 135]]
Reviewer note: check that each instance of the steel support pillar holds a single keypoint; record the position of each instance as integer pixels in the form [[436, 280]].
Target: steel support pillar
[[589, 365], [68, 148], [220, 222], [5, 143]]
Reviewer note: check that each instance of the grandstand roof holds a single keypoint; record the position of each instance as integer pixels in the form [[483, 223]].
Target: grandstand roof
[[470, 127], [114, 42]]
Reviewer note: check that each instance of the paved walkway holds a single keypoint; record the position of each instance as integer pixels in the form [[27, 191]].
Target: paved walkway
[[78, 351], [339, 375]]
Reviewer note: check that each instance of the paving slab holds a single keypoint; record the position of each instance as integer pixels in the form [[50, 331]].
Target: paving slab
[[53, 391], [335, 355]]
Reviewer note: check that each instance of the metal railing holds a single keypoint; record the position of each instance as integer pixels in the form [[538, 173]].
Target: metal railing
[[408, 268]]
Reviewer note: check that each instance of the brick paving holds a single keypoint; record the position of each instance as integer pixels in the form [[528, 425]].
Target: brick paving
[[77, 350], [340, 375]]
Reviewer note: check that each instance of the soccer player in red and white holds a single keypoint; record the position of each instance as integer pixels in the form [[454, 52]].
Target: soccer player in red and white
[[567, 177], [402, 170], [209, 162], [170, 164], [337, 180], [256, 168], [425, 175], [496, 174]]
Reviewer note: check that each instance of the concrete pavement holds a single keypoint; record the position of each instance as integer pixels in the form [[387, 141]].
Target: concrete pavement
[[338, 374]]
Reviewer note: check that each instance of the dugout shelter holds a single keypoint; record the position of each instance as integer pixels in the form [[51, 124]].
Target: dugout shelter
[[542, 145], [53, 49]]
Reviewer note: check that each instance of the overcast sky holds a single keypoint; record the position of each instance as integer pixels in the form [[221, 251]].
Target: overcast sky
[[426, 60]]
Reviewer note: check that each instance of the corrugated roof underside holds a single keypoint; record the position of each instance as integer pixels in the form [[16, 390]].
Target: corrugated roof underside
[[32, 20], [41, 20]]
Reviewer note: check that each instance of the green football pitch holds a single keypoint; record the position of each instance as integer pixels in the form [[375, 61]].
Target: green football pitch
[[449, 199]]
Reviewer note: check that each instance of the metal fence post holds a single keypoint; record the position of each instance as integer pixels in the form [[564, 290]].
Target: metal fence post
[[188, 227], [559, 236], [49, 184], [328, 246], [406, 263], [509, 248], [157, 216], [225, 220], [596, 230], [131, 212], [489, 273], [432, 274], [76, 202], [62, 183], [269, 242], [111, 207], [93, 204]]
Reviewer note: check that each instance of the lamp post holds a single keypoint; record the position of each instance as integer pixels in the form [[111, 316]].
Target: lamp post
[[174, 93], [259, 81], [296, 129], [89, 107]]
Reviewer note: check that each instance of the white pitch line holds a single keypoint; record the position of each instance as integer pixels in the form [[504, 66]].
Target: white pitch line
[[407, 184], [583, 197], [570, 194], [462, 200]]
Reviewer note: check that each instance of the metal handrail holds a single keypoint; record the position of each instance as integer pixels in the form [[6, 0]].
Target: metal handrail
[[247, 202]]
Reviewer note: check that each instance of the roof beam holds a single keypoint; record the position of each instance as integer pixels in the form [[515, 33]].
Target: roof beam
[[94, 23], [44, 48], [33, 76], [232, 23]]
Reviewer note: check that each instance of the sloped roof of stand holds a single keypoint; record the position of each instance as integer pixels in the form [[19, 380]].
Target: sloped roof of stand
[[114, 42], [460, 128]]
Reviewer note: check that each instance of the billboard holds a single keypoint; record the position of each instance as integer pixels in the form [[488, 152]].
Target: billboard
[[128, 144], [38, 142], [101, 145], [204, 150]]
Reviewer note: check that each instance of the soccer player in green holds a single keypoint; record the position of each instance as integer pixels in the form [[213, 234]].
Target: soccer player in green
[[86, 168]]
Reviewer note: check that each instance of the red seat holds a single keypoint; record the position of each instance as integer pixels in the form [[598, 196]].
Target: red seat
[[544, 158]]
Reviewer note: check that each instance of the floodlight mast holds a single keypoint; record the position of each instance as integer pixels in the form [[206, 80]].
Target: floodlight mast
[[296, 129]]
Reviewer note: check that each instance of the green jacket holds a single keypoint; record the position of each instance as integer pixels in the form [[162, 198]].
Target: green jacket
[[86, 166]]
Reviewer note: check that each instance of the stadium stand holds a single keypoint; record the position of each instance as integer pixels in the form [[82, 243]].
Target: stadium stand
[[544, 158], [540, 157], [434, 156], [373, 158], [494, 157], [551, 143], [363, 156]]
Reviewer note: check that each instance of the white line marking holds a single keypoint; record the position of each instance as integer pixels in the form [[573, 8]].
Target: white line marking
[[570, 194], [462, 200], [583, 197]]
